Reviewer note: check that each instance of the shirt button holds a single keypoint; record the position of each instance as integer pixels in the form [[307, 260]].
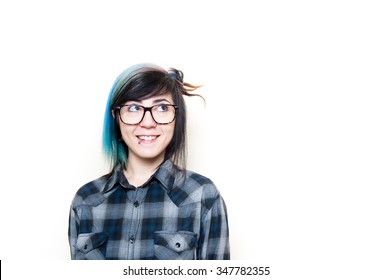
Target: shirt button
[[178, 245], [85, 247], [131, 239], [136, 204]]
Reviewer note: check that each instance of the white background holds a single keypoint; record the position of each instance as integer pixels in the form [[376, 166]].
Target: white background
[[295, 132]]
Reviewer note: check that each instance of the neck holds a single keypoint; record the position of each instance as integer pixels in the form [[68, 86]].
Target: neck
[[138, 170]]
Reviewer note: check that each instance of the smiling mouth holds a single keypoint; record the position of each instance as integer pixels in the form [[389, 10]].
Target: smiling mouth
[[147, 138]]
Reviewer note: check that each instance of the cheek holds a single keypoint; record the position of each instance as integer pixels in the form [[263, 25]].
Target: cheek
[[121, 130], [170, 131], [125, 131]]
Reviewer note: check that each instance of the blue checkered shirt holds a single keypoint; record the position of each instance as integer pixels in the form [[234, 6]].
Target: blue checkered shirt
[[174, 215]]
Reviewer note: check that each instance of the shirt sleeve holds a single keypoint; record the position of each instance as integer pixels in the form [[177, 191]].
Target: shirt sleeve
[[73, 231], [214, 239]]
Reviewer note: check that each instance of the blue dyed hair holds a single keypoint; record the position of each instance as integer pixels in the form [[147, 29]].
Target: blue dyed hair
[[139, 82]]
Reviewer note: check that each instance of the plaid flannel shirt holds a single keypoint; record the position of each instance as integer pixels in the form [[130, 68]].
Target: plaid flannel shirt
[[170, 217]]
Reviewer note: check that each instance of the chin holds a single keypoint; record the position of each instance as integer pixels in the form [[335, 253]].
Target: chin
[[151, 156]]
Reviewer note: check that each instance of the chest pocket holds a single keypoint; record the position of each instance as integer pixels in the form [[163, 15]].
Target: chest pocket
[[90, 245], [179, 245]]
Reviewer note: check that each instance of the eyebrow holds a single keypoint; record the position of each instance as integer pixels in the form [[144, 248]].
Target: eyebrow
[[156, 101], [161, 100]]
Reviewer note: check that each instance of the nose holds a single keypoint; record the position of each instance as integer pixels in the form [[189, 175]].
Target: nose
[[148, 120]]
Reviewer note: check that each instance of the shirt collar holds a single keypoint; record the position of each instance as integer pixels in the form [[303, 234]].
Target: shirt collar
[[116, 176], [166, 174]]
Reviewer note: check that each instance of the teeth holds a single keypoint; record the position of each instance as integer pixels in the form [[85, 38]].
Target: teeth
[[147, 138]]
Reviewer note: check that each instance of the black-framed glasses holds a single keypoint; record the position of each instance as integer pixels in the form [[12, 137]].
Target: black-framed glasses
[[134, 113]]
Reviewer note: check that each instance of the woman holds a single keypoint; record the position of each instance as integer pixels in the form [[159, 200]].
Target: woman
[[149, 206]]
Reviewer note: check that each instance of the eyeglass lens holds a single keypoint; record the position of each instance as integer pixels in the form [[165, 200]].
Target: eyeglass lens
[[134, 114]]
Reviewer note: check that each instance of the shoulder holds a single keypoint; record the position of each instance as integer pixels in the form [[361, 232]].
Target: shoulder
[[210, 192], [172, 176], [195, 181], [192, 187], [91, 193]]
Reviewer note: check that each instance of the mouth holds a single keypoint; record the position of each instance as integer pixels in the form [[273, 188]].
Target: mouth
[[147, 138]]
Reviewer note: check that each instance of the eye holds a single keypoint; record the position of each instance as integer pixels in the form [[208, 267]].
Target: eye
[[162, 107], [134, 108]]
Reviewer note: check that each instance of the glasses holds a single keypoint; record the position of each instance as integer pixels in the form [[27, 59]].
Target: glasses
[[134, 114]]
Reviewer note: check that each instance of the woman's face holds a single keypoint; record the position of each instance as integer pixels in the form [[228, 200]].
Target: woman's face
[[148, 140]]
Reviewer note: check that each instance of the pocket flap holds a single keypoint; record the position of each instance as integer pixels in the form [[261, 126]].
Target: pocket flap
[[90, 241], [177, 241]]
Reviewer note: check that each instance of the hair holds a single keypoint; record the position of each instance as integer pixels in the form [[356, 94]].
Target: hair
[[139, 82]]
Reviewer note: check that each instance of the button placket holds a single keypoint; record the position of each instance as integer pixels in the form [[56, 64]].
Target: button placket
[[135, 199], [135, 211]]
